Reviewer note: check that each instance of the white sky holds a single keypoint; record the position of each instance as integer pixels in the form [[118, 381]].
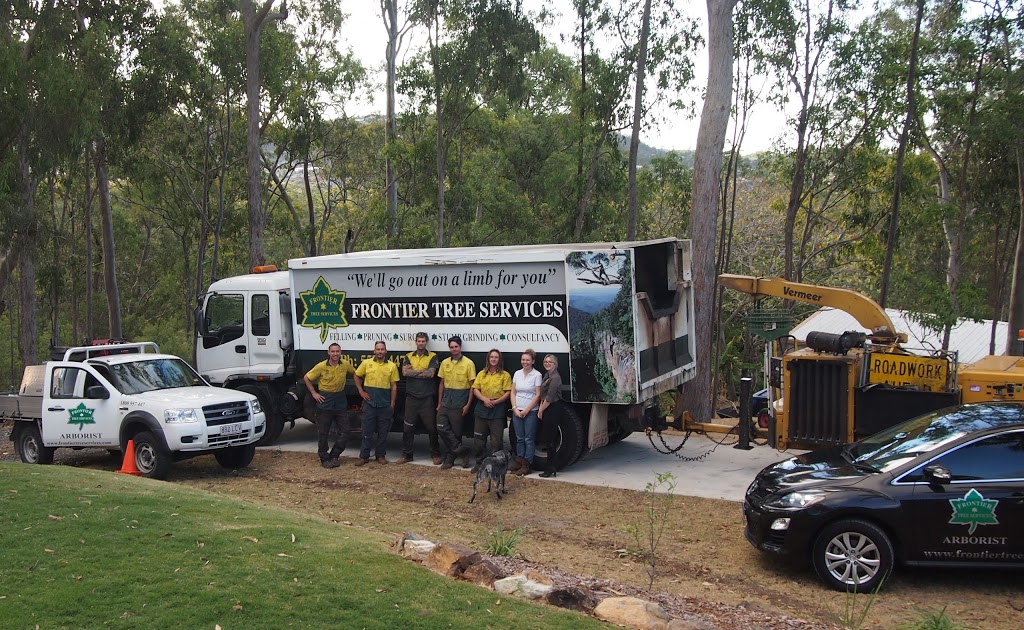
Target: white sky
[[364, 32]]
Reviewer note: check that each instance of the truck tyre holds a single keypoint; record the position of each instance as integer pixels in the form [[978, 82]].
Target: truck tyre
[[152, 457], [29, 444], [569, 441], [235, 456], [853, 555], [275, 423]]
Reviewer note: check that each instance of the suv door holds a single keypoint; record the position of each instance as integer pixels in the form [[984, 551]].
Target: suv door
[[978, 515], [71, 417]]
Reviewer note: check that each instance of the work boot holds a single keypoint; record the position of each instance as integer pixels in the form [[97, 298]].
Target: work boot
[[448, 463], [362, 462], [326, 463], [404, 459], [382, 460], [465, 460], [436, 459], [523, 469]]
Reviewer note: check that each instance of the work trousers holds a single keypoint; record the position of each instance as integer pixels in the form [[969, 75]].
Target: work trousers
[[449, 430], [376, 425], [488, 427], [425, 411], [331, 419]]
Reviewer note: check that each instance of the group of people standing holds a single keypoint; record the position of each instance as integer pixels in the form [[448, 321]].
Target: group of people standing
[[534, 398]]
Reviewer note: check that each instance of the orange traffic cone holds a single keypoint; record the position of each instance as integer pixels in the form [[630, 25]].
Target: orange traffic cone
[[128, 464]]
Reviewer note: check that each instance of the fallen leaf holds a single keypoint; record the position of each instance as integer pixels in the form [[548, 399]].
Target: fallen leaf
[[49, 551], [381, 590], [200, 544], [237, 608], [293, 538], [55, 518], [250, 539], [283, 555]]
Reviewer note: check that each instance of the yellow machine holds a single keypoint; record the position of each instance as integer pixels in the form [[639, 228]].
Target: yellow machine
[[843, 387]]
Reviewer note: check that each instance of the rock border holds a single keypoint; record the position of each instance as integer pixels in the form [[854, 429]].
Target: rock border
[[462, 563]]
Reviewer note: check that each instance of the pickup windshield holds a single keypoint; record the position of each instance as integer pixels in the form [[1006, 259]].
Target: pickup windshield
[[136, 377]]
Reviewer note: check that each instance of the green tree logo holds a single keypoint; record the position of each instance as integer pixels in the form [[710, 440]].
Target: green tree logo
[[974, 510], [81, 415], [324, 308]]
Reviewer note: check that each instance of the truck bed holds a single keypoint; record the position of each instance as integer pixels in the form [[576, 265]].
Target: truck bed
[[18, 407]]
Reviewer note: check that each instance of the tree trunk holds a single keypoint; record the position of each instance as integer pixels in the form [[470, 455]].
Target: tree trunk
[[901, 152], [1016, 318], [254, 20], [638, 103], [109, 253], [707, 165], [440, 152], [389, 10], [26, 241]]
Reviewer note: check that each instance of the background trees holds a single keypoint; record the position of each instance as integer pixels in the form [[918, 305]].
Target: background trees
[[142, 154]]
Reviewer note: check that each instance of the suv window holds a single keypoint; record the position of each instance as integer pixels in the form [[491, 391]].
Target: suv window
[[995, 457]]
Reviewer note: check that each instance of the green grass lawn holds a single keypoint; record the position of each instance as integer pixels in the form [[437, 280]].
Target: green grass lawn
[[86, 549]]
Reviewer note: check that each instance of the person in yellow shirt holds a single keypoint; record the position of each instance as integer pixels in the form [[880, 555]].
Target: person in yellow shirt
[[457, 374], [332, 404], [492, 389], [419, 369], [377, 382]]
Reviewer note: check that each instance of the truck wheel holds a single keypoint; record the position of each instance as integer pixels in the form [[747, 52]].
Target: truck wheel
[[29, 444], [152, 457], [853, 555], [235, 456], [275, 423], [568, 442]]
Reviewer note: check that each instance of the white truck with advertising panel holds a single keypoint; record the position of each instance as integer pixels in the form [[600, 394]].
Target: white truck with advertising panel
[[104, 396], [619, 317]]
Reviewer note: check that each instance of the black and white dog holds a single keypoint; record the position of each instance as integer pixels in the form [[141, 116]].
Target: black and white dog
[[493, 469]]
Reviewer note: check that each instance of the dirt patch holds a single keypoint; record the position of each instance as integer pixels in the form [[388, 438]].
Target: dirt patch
[[707, 568]]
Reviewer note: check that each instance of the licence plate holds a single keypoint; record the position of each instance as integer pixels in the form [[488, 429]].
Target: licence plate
[[231, 429]]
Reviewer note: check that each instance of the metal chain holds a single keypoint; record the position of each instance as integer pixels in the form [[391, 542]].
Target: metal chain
[[675, 451]]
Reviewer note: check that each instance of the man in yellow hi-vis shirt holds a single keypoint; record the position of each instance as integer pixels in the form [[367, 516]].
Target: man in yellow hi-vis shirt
[[332, 404], [377, 382], [457, 373]]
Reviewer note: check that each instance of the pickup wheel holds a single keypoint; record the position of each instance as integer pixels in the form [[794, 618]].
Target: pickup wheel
[[152, 457], [235, 456], [29, 444], [275, 423]]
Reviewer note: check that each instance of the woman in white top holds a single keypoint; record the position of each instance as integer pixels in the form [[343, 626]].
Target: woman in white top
[[525, 403]]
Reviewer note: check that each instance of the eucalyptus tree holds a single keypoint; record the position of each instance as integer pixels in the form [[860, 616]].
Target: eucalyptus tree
[[255, 17], [966, 125], [43, 111], [707, 170], [311, 78], [476, 52]]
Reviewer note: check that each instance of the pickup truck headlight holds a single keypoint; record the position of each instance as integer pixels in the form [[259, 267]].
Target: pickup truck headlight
[[796, 500], [255, 404], [180, 416]]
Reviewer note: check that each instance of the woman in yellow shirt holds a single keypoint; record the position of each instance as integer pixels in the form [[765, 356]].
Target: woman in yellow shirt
[[492, 387]]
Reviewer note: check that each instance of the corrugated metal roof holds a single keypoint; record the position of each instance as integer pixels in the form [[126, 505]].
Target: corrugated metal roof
[[969, 338]]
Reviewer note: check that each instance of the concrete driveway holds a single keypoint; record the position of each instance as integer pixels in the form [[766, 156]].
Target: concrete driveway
[[721, 472]]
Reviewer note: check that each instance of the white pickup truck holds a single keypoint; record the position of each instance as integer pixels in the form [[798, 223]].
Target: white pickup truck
[[103, 396]]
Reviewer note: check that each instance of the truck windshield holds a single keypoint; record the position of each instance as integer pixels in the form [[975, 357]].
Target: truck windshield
[[136, 377]]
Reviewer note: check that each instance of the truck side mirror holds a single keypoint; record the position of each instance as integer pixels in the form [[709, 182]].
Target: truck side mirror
[[97, 392]]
